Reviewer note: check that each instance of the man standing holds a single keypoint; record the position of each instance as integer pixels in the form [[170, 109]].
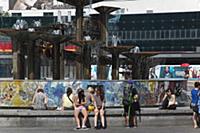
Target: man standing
[[194, 103]]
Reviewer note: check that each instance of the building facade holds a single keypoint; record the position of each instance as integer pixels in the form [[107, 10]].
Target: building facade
[[156, 25]]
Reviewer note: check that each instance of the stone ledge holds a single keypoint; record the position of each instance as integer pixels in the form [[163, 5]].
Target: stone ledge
[[113, 112]]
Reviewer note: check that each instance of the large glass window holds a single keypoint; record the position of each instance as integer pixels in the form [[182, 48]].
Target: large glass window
[[193, 33], [142, 34], [167, 34], [5, 68], [147, 34], [158, 34], [162, 34], [182, 33], [177, 34], [198, 32], [188, 33], [137, 35], [152, 34], [172, 34]]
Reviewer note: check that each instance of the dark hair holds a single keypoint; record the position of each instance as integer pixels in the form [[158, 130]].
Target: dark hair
[[81, 95], [133, 91], [169, 89], [101, 93], [69, 91], [40, 90], [196, 84]]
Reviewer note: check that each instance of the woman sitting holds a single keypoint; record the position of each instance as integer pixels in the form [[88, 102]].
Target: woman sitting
[[79, 107], [39, 100], [169, 100], [67, 99], [99, 107], [90, 100]]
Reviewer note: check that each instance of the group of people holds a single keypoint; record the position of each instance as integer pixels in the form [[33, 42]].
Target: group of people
[[92, 102], [81, 102], [195, 104]]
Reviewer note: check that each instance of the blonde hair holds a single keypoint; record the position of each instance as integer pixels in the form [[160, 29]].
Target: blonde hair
[[90, 89]]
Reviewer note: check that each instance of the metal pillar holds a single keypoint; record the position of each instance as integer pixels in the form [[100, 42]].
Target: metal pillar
[[101, 68], [86, 61], [115, 66], [56, 61], [136, 67], [104, 12], [31, 64], [18, 59], [79, 32]]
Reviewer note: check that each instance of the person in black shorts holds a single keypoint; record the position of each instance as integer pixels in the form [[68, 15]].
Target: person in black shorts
[[131, 105]]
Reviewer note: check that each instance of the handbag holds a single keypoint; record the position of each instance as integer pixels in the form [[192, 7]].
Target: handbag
[[90, 108]]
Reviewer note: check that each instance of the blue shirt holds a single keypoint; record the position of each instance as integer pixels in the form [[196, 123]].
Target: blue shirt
[[195, 96]]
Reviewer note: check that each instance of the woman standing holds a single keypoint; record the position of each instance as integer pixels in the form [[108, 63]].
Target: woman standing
[[79, 107], [99, 107]]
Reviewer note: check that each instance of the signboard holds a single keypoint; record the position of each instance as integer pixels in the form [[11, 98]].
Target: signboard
[[175, 72]]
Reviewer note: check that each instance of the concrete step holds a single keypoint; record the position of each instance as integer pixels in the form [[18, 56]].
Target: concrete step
[[52, 118]]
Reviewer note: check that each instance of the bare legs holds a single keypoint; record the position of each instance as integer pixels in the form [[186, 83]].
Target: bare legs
[[126, 119], [195, 119], [85, 115], [101, 111]]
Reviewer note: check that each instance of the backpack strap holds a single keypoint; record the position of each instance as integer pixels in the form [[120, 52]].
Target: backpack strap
[[70, 99]]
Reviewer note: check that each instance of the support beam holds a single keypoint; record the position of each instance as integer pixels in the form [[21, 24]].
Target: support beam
[[62, 71], [18, 59], [115, 66], [79, 22], [56, 61], [104, 12], [37, 62], [86, 61], [79, 32], [31, 64]]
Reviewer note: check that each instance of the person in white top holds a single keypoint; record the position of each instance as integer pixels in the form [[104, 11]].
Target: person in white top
[[67, 99], [169, 100]]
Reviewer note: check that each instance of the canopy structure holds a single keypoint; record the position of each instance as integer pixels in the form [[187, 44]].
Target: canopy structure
[[115, 51], [29, 44], [77, 2]]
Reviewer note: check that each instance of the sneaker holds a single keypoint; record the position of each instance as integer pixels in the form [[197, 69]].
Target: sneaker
[[84, 128], [96, 128], [77, 128]]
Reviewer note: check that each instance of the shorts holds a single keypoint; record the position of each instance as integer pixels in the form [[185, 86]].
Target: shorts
[[126, 107], [80, 108], [126, 110]]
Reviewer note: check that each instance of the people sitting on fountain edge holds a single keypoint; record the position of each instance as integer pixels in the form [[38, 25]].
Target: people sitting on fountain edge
[[169, 100]]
